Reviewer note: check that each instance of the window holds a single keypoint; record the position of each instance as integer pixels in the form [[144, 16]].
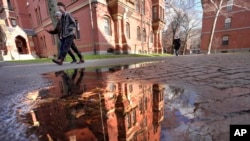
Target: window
[[134, 116], [154, 13], [141, 105], [227, 23], [163, 14], [38, 16], [137, 6], [37, 20], [230, 5], [9, 5], [128, 30], [145, 103], [44, 42], [130, 88], [152, 37], [13, 22], [138, 33], [143, 7], [78, 36], [107, 27], [144, 35], [225, 40], [160, 12], [47, 7], [129, 120], [53, 37]]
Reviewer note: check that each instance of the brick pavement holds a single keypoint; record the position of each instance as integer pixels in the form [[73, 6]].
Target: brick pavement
[[204, 94]]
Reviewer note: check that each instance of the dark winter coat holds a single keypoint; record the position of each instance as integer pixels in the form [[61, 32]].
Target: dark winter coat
[[177, 43], [68, 25]]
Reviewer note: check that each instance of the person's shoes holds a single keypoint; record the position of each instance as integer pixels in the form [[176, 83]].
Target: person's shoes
[[73, 62], [58, 62], [80, 61]]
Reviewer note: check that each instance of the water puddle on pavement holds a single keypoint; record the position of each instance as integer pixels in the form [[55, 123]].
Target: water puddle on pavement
[[84, 105]]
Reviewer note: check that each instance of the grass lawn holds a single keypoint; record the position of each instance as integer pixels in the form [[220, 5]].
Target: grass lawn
[[91, 57]]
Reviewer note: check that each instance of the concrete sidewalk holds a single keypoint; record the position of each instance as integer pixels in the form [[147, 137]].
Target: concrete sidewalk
[[205, 94]]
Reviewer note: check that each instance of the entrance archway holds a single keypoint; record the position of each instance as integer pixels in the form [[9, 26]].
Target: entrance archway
[[21, 45]]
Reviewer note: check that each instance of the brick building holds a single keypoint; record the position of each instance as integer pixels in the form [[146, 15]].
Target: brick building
[[231, 31], [16, 34], [124, 26]]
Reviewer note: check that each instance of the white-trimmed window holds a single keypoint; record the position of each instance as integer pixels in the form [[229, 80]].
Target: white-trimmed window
[[152, 37], [10, 7], [225, 40], [107, 26], [144, 35], [154, 13], [138, 33], [13, 22], [143, 7], [128, 30], [137, 6], [134, 116], [230, 5], [227, 23]]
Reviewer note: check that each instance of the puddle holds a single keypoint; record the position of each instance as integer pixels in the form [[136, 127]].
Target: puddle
[[85, 105], [82, 104], [182, 118]]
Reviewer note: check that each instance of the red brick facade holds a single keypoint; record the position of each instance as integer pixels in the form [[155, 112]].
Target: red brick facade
[[231, 31], [132, 26]]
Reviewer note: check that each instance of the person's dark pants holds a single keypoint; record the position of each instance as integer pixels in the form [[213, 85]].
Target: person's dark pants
[[176, 51], [71, 54], [74, 48], [65, 46]]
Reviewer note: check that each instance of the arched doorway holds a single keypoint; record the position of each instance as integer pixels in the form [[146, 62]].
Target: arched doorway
[[21, 45]]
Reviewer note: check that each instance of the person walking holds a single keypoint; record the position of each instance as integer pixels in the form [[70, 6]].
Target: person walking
[[66, 35], [57, 31], [177, 45]]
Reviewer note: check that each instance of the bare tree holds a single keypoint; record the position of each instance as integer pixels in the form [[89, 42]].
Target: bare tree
[[189, 23], [180, 18], [175, 27], [218, 7]]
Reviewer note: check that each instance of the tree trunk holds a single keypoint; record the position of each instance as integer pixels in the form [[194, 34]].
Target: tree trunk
[[185, 44], [52, 5], [213, 27]]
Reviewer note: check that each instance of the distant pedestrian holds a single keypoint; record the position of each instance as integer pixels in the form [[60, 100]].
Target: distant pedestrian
[[57, 31], [67, 36], [177, 45]]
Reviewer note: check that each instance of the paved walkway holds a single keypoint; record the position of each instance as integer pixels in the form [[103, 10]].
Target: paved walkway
[[204, 94]]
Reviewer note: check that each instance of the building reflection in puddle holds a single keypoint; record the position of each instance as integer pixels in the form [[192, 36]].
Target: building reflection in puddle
[[85, 106]]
